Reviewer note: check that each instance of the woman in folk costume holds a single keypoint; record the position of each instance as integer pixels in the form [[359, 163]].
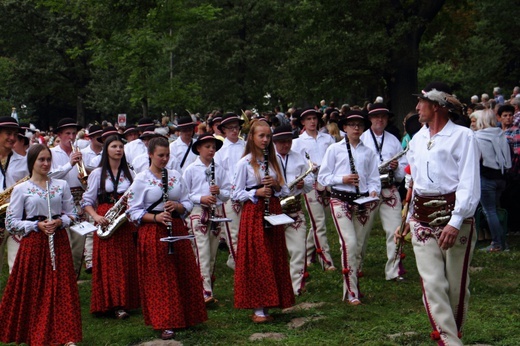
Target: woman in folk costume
[[170, 280], [262, 278], [40, 305], [115, 286], [209, 188]]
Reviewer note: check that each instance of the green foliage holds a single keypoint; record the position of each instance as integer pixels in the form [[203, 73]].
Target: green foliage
[[155, 56]]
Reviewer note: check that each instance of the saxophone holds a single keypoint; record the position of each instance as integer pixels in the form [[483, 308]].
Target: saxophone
[[116, 217], [287, 202], [6, 195], [384, 172]]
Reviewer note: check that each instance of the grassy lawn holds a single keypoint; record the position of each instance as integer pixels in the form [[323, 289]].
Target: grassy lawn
[[388, 307]]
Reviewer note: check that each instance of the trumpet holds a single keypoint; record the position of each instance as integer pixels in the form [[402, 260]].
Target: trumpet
[[82, 172]]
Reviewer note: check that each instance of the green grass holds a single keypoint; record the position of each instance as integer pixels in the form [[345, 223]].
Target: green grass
[[388, 307]]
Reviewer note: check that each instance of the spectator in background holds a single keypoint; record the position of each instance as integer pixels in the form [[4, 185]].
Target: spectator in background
[[516, 92], [323, 106], [484, 100], [510, 200], [281, 116], [516, 117], [474, 99], [497, 93], [495, 160], [473, 118]]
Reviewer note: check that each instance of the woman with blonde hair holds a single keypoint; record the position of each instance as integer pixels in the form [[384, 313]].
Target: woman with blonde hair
[[495, 160], [333, 129], [262, 278]]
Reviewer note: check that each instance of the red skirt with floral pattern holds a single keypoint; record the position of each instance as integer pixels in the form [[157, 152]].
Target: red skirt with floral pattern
[[40, 306], [115, 283], [262, 277], [171, 285]]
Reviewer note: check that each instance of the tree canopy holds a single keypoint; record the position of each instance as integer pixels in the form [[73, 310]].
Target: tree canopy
[[93, 59]]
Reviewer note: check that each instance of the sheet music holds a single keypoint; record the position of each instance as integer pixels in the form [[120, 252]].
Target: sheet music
[[364, 200], [83, 228], [280, 219]]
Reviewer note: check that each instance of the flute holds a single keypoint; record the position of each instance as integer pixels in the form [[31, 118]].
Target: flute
[[165, 199], [267, 225], [51, 237]]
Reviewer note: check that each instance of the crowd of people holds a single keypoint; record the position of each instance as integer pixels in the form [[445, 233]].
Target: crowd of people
[[164, 196]]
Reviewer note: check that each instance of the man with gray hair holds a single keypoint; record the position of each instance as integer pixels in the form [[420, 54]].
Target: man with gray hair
[[474, 99], [497, 93], [444, 163]]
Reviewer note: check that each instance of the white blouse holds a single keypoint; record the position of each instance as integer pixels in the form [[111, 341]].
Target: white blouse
[[94, 187], [142, 163], [148, 189], [197, 177], [245, 178], [32, 199]]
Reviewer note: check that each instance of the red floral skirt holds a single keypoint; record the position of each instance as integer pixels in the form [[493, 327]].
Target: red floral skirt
[[40, 306], [114, 270], [171, 285], [262, 277]]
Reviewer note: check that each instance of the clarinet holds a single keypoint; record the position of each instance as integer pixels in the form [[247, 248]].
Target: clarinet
[[51, 237], [165, 199], [267, 225], [212, 224], [353, 168]]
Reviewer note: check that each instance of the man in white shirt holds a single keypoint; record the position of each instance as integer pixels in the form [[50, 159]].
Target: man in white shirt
[[293, 165], [13, 167], [137, 147], [228, 157], [181, 147], [386, 146], [444, 163], [315, 143], [65, 161], [91, 156]]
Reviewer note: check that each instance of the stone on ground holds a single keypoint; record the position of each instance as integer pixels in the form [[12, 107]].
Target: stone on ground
[[301, 321], [159, 342], [271, 336], [399, 335], [303, 306]]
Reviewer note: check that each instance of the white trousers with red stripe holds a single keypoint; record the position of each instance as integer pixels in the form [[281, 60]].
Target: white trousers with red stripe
[[445, 278], [389, 210], [232, 210], [317, 237], [295, 237], [205, 247], [352, 226], [11, 243]]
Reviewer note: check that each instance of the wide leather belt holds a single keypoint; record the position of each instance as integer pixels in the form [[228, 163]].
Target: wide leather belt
[[345, 196], [433, 210]]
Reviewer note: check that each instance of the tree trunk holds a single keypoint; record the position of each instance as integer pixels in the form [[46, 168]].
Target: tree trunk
[[144, 105], [80, 111]]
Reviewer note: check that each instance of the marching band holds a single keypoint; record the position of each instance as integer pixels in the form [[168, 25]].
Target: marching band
[[161, 207]]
